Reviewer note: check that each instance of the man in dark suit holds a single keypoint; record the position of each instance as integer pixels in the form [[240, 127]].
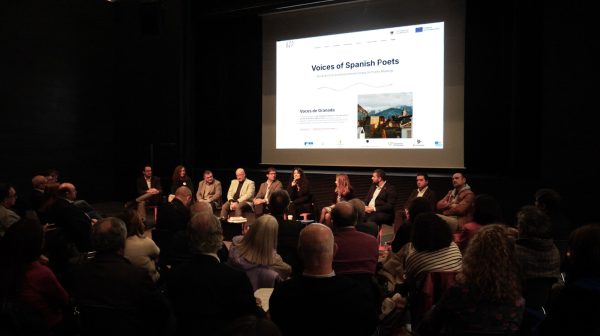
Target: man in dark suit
[[380, 200], [205, 294], [112, 294], [149, 184], [422, 190], [73, 229]]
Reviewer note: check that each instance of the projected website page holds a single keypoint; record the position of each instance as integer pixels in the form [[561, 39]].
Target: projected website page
[[380, 88]]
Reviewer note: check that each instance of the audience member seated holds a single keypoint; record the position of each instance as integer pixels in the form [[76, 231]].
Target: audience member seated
[[50, 196], [111, 293], [179, 245], [8, 195], [172, 217], [206, 295], [550, 202], [486, 210], [210, 191], [392, 267], [369, 228], [357, 251], [181, 179], [288, 232], [38, 184], [52, 176], [574, 310], [27, 285], [71, 196], [486, 297], [256, 254], [457, 206], [422, 191], [239, 195], [299, 190], [71, 237], [320, 301], [141, 251], [535, 251], [380, 200], [403, 234], [343, 192], [433, 250], [261, 201], [539, 264]]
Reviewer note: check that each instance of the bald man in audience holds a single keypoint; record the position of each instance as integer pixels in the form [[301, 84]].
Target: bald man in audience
[[174, 216], [319, 301]]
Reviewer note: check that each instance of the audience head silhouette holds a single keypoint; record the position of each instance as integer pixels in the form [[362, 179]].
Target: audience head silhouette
[[583, 256], [201, 207], [489, 266], [430, 233], [184, 194], [279, 201], [486, 210], [344, 214], [418, 206], [259, 244], [316, 248], [533, 223], [109, 235], [205, 232]]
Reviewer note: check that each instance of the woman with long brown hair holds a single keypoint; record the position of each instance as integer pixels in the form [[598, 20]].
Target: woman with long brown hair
[[180, 178]]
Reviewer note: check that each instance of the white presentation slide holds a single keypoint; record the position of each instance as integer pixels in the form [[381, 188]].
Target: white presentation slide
[[380, 88]]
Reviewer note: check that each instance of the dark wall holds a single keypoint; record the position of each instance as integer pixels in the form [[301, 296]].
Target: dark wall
[[89, 87], [97, 89]]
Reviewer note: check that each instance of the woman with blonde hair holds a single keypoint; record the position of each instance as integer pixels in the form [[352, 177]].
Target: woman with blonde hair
[[256, 254], [487, 295], [343, 192]]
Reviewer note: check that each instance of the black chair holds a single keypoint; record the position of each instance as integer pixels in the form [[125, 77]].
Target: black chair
[[536, 292]]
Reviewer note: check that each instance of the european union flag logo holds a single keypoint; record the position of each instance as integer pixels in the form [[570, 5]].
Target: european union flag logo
[[419, 30]]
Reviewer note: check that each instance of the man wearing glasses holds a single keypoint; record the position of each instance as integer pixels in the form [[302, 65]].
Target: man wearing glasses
[[261, 201]]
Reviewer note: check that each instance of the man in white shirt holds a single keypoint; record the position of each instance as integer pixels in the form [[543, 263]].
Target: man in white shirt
[[380, 200]]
